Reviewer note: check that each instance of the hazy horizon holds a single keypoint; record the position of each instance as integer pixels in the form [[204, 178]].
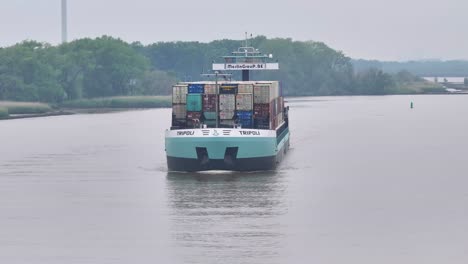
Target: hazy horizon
[[402, 31]]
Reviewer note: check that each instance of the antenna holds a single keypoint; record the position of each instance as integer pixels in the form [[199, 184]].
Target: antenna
[[64, 21], [246, 39]]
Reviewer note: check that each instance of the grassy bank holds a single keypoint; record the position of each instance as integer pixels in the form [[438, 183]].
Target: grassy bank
[[120, 102], [3, 112], [16, 108], [420, 87]]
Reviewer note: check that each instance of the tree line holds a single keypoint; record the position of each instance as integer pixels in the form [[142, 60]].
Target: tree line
[[106, 66], [427, 68]]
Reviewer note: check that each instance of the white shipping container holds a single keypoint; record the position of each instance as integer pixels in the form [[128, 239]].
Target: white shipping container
[[179, 94], [244, 102], [273, 90], [261, 94], [179, 110], [227, 102], [210, 89], [226, 114], [245, 88]]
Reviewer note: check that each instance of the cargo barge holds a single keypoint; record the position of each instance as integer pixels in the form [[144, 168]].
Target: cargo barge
[[229, 125]]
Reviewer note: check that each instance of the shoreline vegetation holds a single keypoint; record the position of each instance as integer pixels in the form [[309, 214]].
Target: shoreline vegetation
[[20, 110], [119, 102], [17, 110], [12, 110]]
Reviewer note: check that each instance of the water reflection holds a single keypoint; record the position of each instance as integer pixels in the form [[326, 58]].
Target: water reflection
[[231, 217]]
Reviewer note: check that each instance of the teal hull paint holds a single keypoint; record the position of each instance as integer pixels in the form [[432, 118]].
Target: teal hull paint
[[181, 147], [283, 141]]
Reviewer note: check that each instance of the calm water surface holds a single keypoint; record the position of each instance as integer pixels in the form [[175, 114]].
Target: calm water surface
[[368, 180]]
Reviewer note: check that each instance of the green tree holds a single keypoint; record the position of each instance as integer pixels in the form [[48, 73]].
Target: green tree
[[114, 68], [28, 72], [374, 82], [157, 83], [101, 67]]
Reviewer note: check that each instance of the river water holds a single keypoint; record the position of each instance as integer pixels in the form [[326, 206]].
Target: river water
[[368, 180]]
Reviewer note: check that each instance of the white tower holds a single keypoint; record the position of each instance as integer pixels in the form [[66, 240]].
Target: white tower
[[64, 21]]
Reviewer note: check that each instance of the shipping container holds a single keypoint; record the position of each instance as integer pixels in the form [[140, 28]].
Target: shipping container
[[209, 102], [245, 123], [244, 102], [193, 119], [261, 110], [261, 123], [228, 88], [244, 118], [179, 123], [261, 94], [226, 123], [209, 115], [274, 123], [265, 92], [179, 111], [227, 102], [281, 105], [210, 89], [242, 115], [193, 115], [193, 124], [280, 118], [274, 107], [274, 88], [226, 114], [210, 123], [179, 93], [194, 102], [196, 88], [245, 88]]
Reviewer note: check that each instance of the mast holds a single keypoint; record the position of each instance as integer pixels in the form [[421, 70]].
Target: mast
[[246, 73], [64, 21]]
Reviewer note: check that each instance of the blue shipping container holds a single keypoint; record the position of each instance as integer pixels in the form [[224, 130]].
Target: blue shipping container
[[194, 102], [244, 115], [245, 123], [196, 88]]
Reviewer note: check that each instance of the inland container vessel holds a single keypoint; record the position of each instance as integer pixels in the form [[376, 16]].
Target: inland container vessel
[[229, 125]]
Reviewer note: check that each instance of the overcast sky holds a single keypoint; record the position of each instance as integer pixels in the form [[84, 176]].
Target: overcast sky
[[371, 29]]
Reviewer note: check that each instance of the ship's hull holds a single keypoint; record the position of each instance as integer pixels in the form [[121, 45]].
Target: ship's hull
[[225, 149]]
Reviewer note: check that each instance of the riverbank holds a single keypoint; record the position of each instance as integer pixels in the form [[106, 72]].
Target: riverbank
[[16, 110], [120, 102], [11, 110]]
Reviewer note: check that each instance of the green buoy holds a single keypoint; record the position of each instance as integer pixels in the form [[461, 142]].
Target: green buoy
[[411, 105]]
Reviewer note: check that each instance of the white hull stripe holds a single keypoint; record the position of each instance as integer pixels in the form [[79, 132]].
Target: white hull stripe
[[220, 132]]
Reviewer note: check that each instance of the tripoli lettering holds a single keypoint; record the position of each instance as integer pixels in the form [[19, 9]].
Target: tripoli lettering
[[185, 133], [249, 133]]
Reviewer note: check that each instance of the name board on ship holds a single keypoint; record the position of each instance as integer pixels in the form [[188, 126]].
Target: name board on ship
[[245, 66]]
